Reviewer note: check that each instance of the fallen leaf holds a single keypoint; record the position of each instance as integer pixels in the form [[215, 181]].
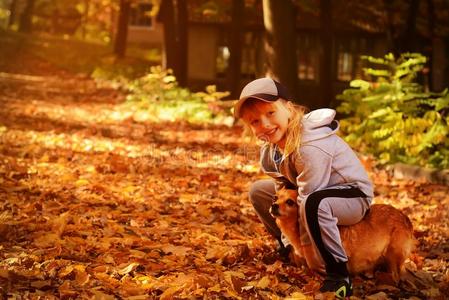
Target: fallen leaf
[[298, 296], [378, 296], [176, 250], [128, 268], [169, 293], [4, 273], [99, 295], [41, 283], [264, 282]]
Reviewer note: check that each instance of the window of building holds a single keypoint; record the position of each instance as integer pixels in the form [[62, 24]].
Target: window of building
[[251, 44], [308, 57], [250, 62], [222, 60], [362, 49], [349, 63], [345, 66], [140, 15]]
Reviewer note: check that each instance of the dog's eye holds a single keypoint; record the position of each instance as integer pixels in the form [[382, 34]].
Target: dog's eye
[[290, 202], [275, 198]]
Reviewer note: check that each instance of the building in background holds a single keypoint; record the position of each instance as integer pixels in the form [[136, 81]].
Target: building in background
[[356, 31], [144, 29], [209, 51]]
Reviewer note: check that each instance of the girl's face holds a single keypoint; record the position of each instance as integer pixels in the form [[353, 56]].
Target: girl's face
[[268, 120]]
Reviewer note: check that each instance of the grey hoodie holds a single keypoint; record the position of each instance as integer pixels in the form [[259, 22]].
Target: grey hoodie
[[323, 160]]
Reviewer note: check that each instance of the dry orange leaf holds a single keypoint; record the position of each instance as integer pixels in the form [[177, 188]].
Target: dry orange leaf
[[130, 267]]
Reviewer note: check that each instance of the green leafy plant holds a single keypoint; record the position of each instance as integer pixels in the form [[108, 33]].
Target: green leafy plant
[[393, 117], [159, 95]]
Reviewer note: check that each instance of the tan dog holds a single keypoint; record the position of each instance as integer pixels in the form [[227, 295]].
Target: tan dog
[[384, 236]]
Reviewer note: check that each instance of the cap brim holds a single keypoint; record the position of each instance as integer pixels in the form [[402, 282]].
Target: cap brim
[[262, 97]]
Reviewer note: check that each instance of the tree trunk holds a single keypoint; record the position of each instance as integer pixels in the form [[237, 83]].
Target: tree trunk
[[85, 18], [390, 30], [235, 47], [113, 23], [173, 14], [25, 24], [280, 43], [431, 29], [13, 12], [409, 40], [122, 29], [326, 65], [167, 16], [182, 40]]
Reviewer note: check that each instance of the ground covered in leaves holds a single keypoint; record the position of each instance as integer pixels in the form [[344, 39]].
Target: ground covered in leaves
[[95, 204]]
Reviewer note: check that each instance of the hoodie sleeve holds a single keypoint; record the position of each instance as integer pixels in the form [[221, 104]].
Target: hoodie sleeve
[[314, 170]]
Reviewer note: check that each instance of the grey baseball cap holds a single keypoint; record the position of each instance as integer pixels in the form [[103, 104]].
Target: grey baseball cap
[[265, 89]]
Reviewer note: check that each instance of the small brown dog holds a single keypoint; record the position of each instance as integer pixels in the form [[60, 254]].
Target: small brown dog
[[383, 237]]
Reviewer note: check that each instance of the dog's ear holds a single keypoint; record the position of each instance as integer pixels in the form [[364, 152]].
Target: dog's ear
[[290, 186]]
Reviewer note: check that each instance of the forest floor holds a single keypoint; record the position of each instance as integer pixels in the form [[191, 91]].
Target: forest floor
[[96, 205]]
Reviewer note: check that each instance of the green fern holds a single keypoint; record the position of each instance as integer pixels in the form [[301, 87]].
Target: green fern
[[391, 116]]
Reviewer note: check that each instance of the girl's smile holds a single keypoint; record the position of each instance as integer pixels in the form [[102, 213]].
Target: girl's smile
[[270, 133]]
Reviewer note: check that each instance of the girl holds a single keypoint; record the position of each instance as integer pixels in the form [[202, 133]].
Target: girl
[[303, 151]]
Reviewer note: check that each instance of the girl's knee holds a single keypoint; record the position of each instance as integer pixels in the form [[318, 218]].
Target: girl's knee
[[261, 189], [254, 190]]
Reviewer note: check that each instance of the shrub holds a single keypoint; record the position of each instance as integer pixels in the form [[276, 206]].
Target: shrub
[[392, 117], [159, 95]]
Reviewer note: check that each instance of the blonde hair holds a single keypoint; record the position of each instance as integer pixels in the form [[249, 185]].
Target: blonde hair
[[294, 128]]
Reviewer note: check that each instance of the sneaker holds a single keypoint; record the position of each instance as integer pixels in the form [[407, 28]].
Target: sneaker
[[341, 286], [284, 253]]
